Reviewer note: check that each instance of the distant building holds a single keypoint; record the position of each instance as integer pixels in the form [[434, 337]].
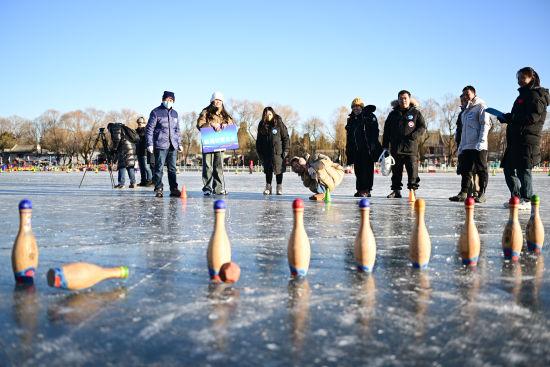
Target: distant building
[[434, 146], [26, 153]]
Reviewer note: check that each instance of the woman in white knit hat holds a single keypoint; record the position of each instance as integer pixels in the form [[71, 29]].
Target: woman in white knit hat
[[216, 117]]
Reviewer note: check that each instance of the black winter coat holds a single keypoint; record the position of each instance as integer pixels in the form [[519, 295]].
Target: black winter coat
[[458, 133], [141, 146], [124, 148], [362, 132], [523, 133], [403, 130], [272, 145]]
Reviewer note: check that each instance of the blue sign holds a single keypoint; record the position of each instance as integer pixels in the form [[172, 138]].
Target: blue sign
[[219, 141]]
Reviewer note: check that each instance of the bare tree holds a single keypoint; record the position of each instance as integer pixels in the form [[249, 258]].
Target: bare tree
[[189, 132], [449, 109], [129, 117], [55, 133], [114, 117], [46, 121], [81, 135], [381, 116], [249, 112], [313, 128], [290, 117], [24, 130], [429, 109], [339, 121]]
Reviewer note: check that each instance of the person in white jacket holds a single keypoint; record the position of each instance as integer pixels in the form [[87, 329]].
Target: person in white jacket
[[473, 146]]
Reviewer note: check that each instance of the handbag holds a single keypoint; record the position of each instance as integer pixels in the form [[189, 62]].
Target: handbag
[[385, 163]]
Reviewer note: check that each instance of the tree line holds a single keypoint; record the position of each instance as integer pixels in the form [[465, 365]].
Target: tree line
[[70, 135]]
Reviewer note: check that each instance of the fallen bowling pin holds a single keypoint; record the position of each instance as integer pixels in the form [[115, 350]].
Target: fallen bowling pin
[[230, 272], [219, 248], [420, 246], [78, 276], [512, 237], [24, 255], [468, 241], [299, 250], [534, 232], [365, 244]]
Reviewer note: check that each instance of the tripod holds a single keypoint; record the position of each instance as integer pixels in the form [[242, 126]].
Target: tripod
[[101, 137]]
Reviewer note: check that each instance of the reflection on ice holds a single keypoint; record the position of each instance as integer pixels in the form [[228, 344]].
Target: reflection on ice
[[167, 312]]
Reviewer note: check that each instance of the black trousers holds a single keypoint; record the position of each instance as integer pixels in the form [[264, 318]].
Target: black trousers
[[364, 174], [473, 162], [411, 165], [269, 176]]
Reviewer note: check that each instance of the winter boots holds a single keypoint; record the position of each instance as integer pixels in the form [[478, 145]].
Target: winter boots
[[175, 193], [461, 196], [317, 197], [395, 194], [268, 189]]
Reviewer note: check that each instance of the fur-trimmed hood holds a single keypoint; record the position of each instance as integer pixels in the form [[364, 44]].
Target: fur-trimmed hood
[[395, 103], [476, 102]]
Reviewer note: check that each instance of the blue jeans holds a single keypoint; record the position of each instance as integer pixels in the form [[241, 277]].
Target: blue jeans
[[163, 156], [519, 181], [320, 189], [122, 176], [144, 169]]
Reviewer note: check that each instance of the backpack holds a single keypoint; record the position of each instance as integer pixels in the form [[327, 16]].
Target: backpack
[[131, 134]]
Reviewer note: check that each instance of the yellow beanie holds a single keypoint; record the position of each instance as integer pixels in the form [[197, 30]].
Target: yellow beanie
[[357, 102]]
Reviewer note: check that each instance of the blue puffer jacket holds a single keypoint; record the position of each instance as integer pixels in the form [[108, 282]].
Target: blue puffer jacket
[[163, 128]]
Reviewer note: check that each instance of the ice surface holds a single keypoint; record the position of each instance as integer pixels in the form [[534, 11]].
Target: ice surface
[[167, 313]]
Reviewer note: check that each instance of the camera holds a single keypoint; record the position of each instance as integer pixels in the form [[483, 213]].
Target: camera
[[101, 130]]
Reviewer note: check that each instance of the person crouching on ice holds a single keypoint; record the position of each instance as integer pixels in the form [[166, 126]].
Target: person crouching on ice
[[318, 173]]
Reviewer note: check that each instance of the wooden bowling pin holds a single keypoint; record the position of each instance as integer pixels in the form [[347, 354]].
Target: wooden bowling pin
[[512, 237], [299, 250], [365, 244], [77, 276], [420, 246], [468, 242], [534, 232], [24, 255], [219, 248]]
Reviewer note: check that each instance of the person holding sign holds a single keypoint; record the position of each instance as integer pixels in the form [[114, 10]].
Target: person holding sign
[[272, 145], [216, 117], [523, 135]]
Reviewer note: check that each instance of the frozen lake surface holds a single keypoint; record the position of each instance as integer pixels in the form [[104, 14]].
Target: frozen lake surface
[[167, 313]]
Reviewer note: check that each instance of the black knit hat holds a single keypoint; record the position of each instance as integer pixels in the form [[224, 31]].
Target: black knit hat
[[168, 94]]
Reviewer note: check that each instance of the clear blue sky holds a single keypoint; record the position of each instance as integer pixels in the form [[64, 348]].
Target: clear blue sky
[[312, 55]]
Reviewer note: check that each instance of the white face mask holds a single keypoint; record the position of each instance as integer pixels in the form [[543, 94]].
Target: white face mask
[[168, 104]]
